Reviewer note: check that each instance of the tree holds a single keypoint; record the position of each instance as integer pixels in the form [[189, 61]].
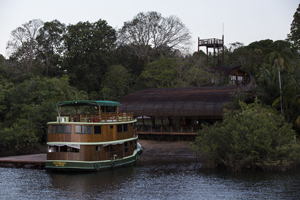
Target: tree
[[88, 53], [24, 45], [116, 83], [251, 137], [294, 36], [174, 72], [282, 58], [27, 107], [50, 41], [150, 33]]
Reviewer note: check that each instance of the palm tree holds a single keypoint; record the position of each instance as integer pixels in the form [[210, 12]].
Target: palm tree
[[282, 58]]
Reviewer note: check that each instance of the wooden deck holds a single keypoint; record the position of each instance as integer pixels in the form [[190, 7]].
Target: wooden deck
[[31, 161]]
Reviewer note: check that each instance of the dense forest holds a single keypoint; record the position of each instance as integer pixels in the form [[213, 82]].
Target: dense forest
[[51, 62]]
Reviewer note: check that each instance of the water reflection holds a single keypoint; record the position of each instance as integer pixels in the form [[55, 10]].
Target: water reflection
[[167, 181]]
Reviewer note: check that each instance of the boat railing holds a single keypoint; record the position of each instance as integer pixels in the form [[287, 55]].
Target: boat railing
[[97, 118], [210, 41]]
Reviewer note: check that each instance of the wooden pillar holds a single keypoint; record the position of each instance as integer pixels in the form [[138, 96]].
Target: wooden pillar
[[207, 56], [223, 50], [199, 51], [215, 52], [144, 122], [237, 77]]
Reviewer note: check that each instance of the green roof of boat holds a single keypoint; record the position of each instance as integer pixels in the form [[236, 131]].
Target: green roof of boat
[[88, 103]]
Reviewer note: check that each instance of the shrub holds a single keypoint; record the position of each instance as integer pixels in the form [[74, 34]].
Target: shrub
[[250, 137]]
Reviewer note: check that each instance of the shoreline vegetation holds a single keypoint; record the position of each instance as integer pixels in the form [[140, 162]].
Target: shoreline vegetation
[[52, 62], [251, 137]]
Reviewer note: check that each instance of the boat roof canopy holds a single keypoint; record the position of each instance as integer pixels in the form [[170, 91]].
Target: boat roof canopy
[[88, 103]]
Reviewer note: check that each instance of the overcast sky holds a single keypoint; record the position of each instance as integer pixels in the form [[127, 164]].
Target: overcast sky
[[244, 21]]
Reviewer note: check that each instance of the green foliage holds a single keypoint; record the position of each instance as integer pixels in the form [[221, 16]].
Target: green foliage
[[50, 40], [26, 109], [173, 72], [251, 137], [294, 36], [116, 82], [88, 53], [268, 91]]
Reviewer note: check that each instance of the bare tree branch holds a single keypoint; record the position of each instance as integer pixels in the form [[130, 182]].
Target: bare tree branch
[[149, 33], [23, 43]]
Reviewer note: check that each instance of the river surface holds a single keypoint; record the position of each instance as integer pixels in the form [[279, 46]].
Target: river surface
[[164, 181]]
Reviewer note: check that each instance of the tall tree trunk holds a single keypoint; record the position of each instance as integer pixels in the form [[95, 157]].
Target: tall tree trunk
[[280, 89]]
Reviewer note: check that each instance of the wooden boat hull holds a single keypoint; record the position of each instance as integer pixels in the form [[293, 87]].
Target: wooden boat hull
[[69, 165]]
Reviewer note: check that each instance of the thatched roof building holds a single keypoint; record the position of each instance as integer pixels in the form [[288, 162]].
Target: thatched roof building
[[203, 102]]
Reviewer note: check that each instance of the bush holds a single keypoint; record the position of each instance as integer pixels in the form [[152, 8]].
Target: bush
[[253, 136]]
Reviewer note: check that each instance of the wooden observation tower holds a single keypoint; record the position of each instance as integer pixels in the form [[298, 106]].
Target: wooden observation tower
[[212, 43]]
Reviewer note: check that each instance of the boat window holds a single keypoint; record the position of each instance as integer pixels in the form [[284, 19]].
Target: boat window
[[67, 128], [111, 126], [64, 148], [53, 149], [119, 128], [89, 129], [125, 127], [98, 148], [48, 131], [82, 129], [97, 130], [131, 143], [77, 129], [110, 148], [61, 129], [54, 129], [113, 148], [125, 147]]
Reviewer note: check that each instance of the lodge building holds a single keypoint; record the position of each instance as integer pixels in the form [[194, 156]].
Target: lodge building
[[177, 113]]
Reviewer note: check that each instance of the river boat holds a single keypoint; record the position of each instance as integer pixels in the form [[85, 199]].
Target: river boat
[[91, 135]]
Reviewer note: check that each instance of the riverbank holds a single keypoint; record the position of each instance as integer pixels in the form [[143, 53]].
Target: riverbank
[[166, 152]]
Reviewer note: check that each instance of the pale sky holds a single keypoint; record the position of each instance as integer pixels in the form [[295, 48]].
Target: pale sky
[[245, 21]]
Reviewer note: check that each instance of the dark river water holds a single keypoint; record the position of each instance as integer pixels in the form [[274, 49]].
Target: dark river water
[[165, 181]]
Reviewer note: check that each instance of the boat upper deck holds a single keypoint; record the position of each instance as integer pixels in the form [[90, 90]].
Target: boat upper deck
[[91, 111]]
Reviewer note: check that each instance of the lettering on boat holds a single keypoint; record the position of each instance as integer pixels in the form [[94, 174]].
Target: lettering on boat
[[59, 164]]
